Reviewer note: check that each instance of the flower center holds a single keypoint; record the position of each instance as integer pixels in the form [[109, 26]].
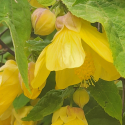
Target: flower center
[[86, 71]]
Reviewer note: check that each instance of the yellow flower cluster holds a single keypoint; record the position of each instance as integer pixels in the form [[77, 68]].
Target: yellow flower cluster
[[11, 86], [78, 54]]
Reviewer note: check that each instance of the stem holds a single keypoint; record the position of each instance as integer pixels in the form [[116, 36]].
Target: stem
[[123, 98], [99, 26], [1, 60], [7, 48], [54, 6], [4, 32], [123, 93]]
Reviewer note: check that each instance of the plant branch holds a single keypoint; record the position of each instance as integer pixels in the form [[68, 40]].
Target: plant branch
[[4, 32], [98, 26], [7, 48], [123, 93]]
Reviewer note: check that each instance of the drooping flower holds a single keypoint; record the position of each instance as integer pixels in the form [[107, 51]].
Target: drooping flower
[[34, 92], [9, 85], [69, 116], [78, 52]]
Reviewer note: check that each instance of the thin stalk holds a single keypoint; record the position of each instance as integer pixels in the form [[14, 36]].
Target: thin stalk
[[123, 96], [7, 48], [123, 93], [4, 32], [99, 27]]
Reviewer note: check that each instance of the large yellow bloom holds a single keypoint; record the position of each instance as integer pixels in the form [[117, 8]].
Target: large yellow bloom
[[78, 52], [9, 85], [69, 116]]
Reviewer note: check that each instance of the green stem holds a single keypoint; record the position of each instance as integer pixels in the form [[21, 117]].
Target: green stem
[[123, 93]]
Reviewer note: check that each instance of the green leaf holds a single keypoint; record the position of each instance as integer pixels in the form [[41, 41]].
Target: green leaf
[[46, 2], [110, 13], [107, 96], [36, 45], [97, 116], [48, 104], [16, 14], [20, 101]]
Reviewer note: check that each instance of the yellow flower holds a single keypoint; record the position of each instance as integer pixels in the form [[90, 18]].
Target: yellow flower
[[34, 92], [78, 52], [9, 85], [69, 116], [22, 113], [34, 3], [43, 21]]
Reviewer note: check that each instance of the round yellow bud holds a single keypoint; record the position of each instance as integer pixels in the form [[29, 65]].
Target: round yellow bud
[[81, 97], [43, 21]]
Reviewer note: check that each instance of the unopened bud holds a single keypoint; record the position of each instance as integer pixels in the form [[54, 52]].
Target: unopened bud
[[34, 92], [81, 97], [43, 21]]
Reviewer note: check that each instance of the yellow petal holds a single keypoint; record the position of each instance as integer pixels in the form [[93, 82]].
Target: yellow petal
[[65, 78], [34, 91], [106, 69], [58, 122], [96, 40], [7, 64], [9, 88], [56, 116], [70, 21], [41, 72], [6, 121], [65, 51], [7, 113], [23, 113], [97, 65], [76, 122], [67, 114]]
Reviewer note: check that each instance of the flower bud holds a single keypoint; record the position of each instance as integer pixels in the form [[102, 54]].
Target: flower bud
[[81, 97], [34, 3], [34, 92], [43, 21], [70, 21]]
